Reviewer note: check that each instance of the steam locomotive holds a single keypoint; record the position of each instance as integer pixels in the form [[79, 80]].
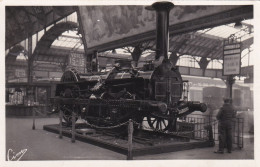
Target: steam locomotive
[[154, 93]]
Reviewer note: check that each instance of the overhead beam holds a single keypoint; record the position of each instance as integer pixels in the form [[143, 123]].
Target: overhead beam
[[20, 36]]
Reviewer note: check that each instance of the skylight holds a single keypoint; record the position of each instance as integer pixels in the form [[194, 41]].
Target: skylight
[[224, 31]]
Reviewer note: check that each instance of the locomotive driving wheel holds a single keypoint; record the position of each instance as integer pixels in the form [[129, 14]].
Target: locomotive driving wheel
[[70, 91], [160, 123], [67, 109]]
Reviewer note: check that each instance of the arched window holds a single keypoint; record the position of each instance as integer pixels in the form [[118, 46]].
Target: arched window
[[188, 61], [215, 64]]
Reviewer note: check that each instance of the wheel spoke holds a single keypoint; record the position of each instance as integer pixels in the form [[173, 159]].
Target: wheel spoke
[[154, 121], [164, 123], [157, 124]]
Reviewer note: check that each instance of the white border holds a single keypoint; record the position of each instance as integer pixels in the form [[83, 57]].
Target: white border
[[178, 163]]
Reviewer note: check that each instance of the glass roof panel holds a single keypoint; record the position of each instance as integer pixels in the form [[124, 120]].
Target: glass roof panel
[[69, 39], [245, 31]]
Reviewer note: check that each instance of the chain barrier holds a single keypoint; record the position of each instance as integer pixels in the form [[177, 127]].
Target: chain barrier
[[39, 112], [107, 127], [149, 128]]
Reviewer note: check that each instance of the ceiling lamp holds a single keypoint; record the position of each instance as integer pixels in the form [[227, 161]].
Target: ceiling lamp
[[238, 25], [114, 51]]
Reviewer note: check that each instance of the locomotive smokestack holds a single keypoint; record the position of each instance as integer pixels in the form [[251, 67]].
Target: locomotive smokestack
[[162, 28]]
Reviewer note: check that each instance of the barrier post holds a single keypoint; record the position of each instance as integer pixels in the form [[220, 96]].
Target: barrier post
[[210, 134], [238, 130], [60, 120], [33, 126], [242, 135], [73, 127], [130, 140]]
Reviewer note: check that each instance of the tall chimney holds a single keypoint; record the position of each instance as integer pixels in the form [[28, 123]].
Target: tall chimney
[[162, 28]]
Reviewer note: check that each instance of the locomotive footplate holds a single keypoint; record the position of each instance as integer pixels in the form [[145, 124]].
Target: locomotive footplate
[[131, 104], [144, 141]]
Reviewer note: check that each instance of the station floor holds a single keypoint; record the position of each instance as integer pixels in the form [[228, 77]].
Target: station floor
[[43, 145]]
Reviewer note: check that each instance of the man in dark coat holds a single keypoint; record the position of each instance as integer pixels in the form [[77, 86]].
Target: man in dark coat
[[225, 117]]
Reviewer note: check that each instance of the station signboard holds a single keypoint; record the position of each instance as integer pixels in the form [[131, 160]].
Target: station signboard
[[232, 56], [20, 73], [77, 60]]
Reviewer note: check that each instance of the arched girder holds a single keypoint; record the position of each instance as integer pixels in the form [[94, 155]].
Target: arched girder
[[13, 53], [50, 36]]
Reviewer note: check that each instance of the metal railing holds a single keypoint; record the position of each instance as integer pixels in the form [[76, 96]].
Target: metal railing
[[197, 123]]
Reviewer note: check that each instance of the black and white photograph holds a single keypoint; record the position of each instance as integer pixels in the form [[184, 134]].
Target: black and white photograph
[[132, 81]]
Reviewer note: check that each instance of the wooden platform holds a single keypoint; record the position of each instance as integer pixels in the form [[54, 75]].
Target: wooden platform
[[144, 142]]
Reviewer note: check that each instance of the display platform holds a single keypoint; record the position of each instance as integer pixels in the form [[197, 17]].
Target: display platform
[[144, 142]]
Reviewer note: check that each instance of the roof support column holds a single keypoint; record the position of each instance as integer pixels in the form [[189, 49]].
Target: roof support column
[[94, 62], [136, 54], [30, 61], [30, 91], [229, 82]]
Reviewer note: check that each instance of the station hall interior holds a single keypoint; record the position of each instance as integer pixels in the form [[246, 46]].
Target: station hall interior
[[97, 43]]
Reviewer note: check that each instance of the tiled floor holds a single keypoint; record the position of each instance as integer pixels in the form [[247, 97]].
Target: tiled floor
[[43, 145]]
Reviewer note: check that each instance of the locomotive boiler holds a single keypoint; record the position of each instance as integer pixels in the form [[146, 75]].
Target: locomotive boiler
[[153, 93]]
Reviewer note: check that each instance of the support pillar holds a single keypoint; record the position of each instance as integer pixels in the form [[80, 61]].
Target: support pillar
[[136, 54], [33, 126], [130, 140], [229, 82], [60, 121], [73, 130], [30, 61], [94, 62], [88, 63], [30, 90]]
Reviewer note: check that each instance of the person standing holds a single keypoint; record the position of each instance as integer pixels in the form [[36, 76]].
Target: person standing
[[225, 117]]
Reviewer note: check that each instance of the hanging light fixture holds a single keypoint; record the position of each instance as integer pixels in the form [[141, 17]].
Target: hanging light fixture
[[238, 25], [114, 51]]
